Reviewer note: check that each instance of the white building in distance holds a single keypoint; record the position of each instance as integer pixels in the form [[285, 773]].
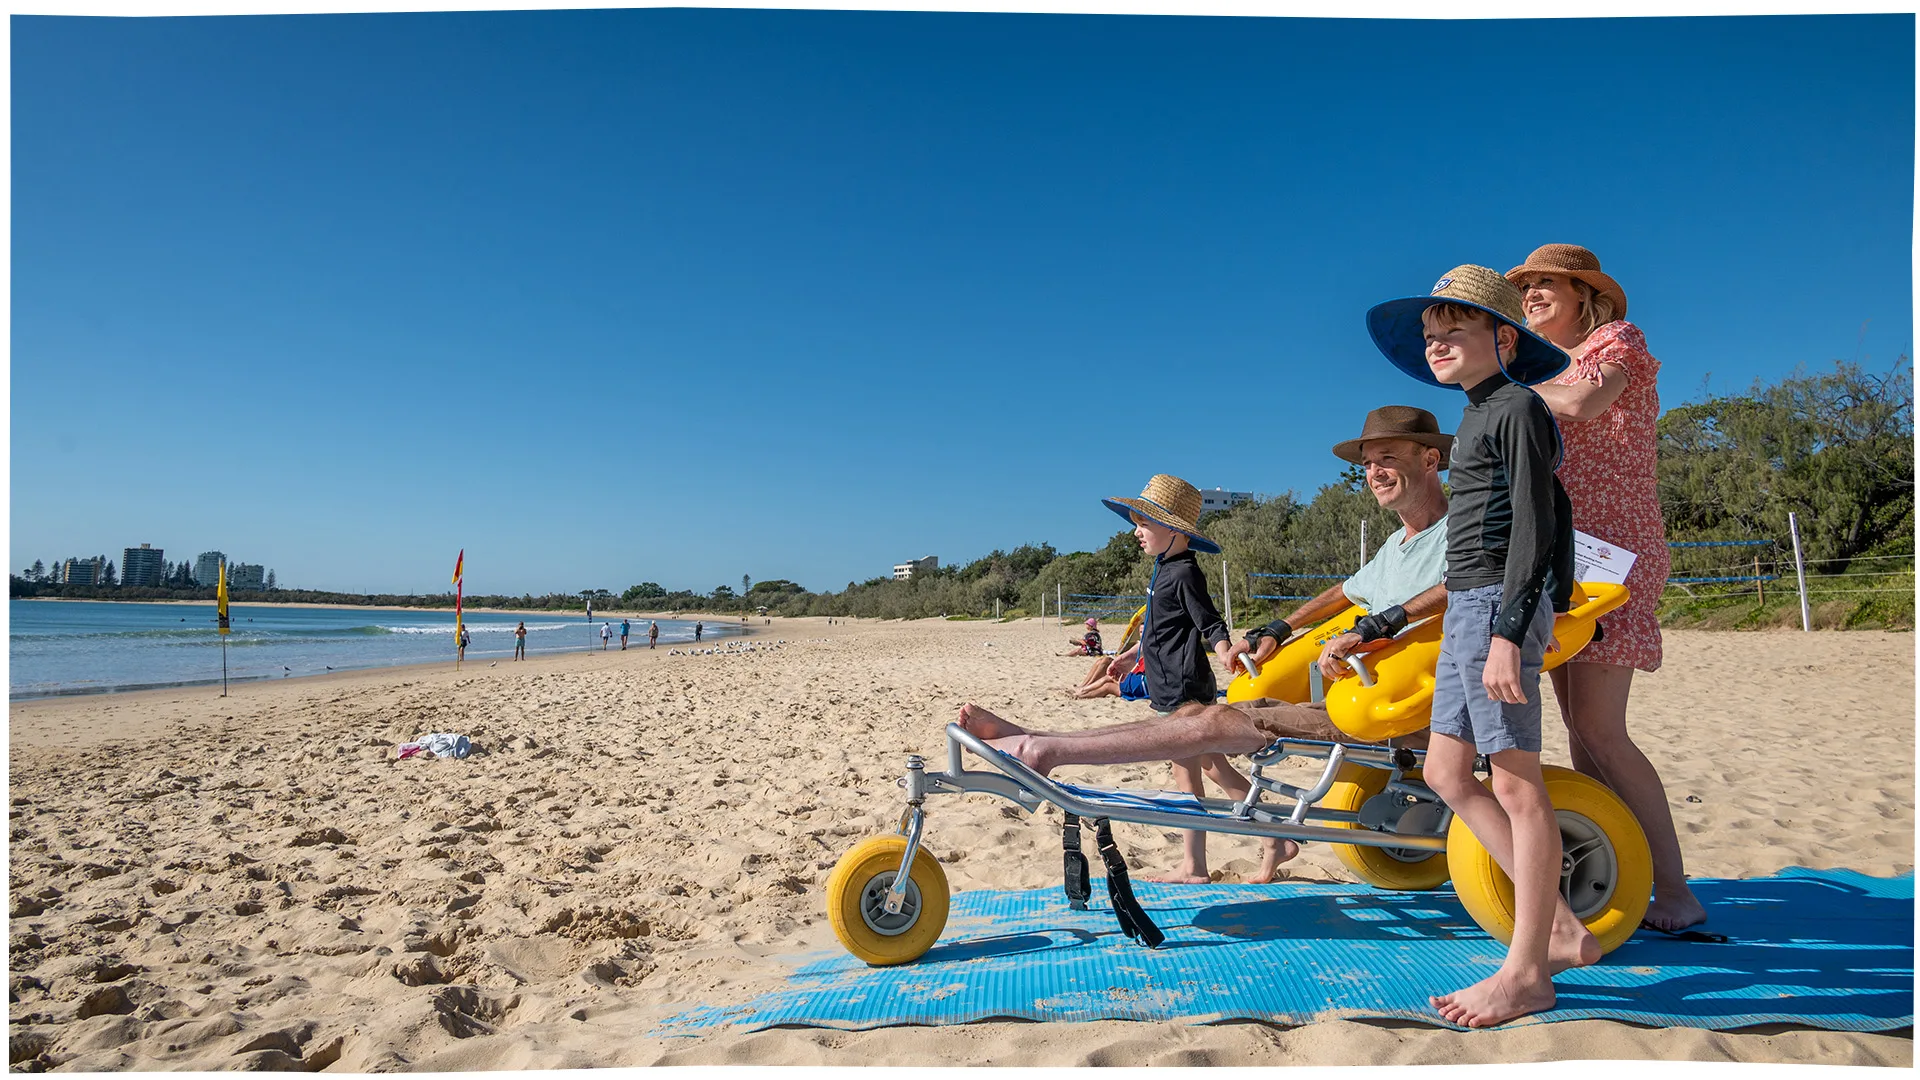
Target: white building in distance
[[206, 568], [905, 570], [1222, 500]]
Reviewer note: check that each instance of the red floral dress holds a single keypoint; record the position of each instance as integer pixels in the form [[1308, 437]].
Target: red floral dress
[[1608, 471]]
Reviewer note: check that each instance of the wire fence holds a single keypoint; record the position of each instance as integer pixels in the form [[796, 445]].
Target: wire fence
[[1697, 574], [1251, 595], [1099, 606]]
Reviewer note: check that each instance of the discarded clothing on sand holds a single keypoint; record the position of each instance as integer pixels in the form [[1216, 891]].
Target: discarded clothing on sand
[[440, 744]]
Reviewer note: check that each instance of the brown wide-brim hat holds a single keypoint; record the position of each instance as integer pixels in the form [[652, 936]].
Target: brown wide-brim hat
[[1574, 261], [1398, 422], [1169, 501]]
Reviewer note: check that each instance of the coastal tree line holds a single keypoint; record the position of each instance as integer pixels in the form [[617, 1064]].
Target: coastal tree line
[[1834, 447]]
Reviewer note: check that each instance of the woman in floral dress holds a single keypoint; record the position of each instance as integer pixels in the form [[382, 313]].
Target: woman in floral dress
[[1606, 403]]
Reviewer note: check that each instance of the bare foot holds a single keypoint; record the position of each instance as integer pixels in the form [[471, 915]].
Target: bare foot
[[1496, 999], [985, 725], [1272, 854], [1676, 909], [1571, 945], [1180, 878], [1025, 749]]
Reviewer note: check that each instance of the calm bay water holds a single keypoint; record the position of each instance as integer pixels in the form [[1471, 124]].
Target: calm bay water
[[79, 648]]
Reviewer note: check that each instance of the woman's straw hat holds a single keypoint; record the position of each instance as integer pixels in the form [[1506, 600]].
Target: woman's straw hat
[[1170, 501], [1574, 261], [1398, 331], [1398, 422]]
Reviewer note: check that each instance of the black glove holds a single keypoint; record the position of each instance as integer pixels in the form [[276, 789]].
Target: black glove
[[1381, 624], [1277, 629]]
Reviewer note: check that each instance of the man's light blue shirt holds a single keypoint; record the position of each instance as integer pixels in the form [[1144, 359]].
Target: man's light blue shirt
[[1402, 569]]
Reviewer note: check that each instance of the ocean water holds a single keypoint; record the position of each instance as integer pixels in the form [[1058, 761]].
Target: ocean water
[[57, 647]]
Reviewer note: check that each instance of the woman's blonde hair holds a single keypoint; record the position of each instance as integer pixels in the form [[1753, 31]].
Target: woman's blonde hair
[[1596, 308]]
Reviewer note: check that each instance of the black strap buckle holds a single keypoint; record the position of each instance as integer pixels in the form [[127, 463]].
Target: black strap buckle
[[1079, 879]]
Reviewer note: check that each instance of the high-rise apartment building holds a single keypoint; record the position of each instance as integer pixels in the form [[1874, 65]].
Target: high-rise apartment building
[[143, 565], [83, 572], [206, 568], [246, 576]]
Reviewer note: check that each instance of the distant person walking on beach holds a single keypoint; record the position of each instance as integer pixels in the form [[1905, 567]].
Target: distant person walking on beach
[[697, 628], [606, 635], [1606, 403], [520, 641], [625, 627], [466, 639], [653, 633]]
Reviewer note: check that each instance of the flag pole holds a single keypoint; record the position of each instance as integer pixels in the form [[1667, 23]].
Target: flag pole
[[459, 628], [220, 608]]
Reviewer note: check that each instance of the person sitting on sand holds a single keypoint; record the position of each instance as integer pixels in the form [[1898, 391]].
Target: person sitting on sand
[[1132, 686], [1088, 644], [1403, 452]]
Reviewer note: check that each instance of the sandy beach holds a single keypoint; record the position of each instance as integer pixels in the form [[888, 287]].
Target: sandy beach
[[256, 882]]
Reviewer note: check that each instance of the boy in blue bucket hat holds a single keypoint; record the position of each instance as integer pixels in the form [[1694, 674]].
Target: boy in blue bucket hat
[[1509, 565]]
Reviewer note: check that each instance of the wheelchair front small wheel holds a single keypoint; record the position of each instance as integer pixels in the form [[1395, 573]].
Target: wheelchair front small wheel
[[856, 902], [1386, 868]]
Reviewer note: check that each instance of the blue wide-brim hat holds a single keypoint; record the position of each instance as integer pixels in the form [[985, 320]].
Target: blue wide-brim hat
[[1399, 333]]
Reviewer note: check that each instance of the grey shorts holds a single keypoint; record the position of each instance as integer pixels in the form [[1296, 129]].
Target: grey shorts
[[1461, 707]]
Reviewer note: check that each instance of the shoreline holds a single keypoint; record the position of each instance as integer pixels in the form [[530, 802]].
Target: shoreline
[[170, 692], [697, 616]]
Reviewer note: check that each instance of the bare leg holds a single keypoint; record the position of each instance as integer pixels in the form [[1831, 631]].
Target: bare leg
[[1163, 738], [1102, 687], [1273, 851], [1193, 843], [1570, 943], [1594, 704], [1184, 739], [1523, 984]]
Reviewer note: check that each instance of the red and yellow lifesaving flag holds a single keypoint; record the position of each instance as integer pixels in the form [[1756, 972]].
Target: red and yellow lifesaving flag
[[458, 563], [220, 598]]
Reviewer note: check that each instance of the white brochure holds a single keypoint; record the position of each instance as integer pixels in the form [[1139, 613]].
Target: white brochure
[[1597, 560]]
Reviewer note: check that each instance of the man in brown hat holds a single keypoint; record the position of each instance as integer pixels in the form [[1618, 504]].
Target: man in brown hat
[[1403, 452]]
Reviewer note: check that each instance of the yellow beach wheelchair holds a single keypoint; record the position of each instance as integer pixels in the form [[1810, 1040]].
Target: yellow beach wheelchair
[[887, 898]]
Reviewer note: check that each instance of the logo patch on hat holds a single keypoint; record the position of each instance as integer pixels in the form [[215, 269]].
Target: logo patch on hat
[[1442, 283]]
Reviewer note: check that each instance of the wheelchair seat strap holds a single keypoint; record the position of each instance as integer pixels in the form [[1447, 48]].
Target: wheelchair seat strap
[[1079, 879], [1134, 921]]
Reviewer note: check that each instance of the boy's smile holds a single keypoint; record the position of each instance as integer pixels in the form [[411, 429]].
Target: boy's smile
[[1463, 353]]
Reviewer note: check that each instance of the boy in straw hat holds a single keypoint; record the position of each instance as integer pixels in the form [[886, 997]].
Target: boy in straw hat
[[1509, 531]]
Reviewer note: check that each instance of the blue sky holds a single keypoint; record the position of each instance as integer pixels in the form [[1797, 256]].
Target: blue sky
[[681, 295]]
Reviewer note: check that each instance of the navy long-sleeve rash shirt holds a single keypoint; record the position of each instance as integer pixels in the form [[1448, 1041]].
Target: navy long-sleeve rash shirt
[[1509, 522], [1182, 624]]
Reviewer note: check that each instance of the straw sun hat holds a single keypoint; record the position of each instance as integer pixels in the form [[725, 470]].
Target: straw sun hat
[[1169, 501], [1398, 331], [1574, 261]]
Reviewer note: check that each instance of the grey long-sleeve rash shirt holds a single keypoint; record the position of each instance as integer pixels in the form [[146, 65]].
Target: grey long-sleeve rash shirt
[[1509, 522]]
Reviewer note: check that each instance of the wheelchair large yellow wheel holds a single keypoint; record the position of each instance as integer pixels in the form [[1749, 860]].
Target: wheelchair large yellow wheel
[[1387, 868], [1606, 868], [857, 896]]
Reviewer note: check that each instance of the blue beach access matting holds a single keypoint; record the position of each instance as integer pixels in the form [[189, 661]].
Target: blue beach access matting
[[1826, 949]]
